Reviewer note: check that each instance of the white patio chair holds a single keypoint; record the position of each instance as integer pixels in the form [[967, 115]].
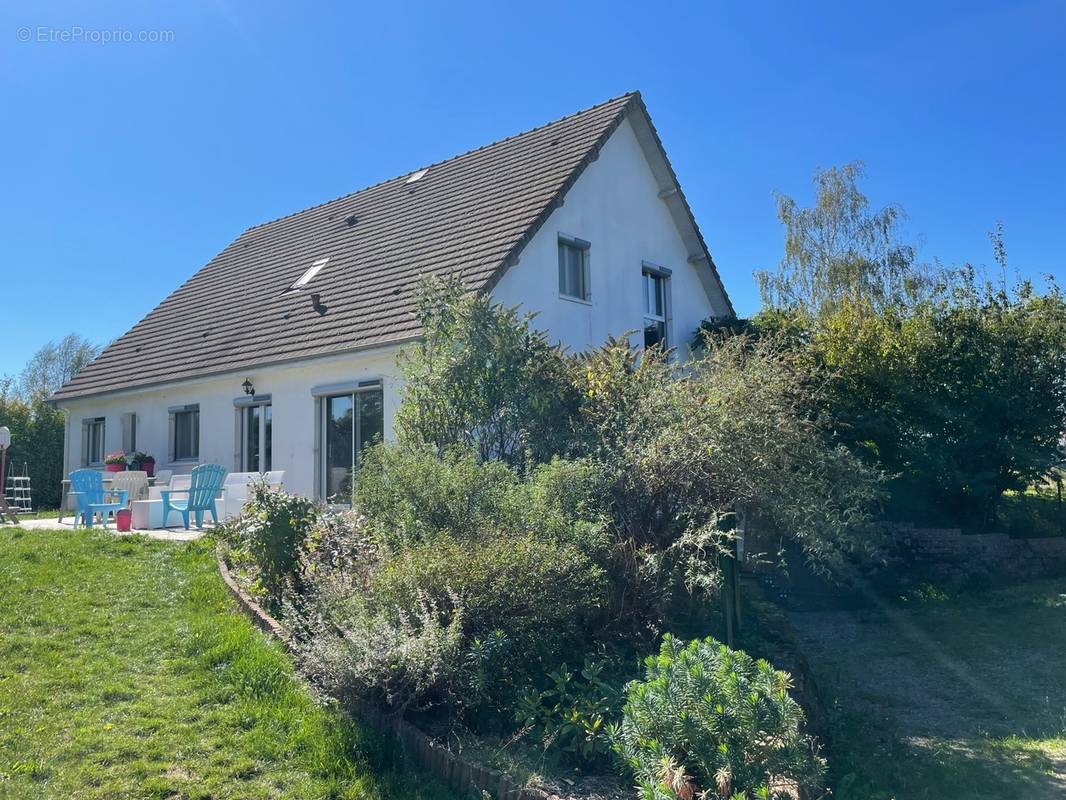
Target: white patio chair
[[177, 483], [235, 489], [133, 481]]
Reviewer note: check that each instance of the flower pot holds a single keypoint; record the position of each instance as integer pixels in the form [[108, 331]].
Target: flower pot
[[123, 518], [149, 468], [115, 467]]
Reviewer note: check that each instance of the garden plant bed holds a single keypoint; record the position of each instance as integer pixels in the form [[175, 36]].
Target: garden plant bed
[[125, 671], [467, 774], [938, 698]]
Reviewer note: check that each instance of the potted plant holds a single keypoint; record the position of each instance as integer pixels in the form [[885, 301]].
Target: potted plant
[[115, 462], [143, 461]]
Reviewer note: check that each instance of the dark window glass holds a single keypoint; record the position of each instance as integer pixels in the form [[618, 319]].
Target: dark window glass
[[251, 438], [187, 435], [371, 419], [353, 421], [340, 432], [653, 287], [268, 459], [573, 270], [95, 454]]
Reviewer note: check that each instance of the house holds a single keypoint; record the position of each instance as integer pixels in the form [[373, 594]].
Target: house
[[280, 353]]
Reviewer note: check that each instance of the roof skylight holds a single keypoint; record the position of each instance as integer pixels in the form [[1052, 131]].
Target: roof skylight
[[309, 273]]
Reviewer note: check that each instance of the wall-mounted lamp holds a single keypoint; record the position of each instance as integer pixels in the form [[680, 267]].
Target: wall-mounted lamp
[[248, 388]]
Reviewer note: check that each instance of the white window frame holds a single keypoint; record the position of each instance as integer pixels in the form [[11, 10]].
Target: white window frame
[[566, 243], [174, 412], [655, 272]]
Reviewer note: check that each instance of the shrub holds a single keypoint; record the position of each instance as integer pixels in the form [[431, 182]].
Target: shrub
[[960, 396], [516, 605], [269, 532], [543, 595], [482, 377], [683, 449], [403, 658], [566, 499], [571, 715], [337, 544], [712, 722], [36, 444], [411, 494]]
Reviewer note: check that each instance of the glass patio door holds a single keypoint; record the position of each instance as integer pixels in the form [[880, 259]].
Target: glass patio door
[[256, 425], [350, 422]]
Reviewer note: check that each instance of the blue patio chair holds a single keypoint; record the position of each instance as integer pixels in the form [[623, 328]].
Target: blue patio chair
[[206, 484], [87, 486]]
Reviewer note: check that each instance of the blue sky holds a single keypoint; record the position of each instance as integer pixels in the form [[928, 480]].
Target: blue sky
[[125, 166]]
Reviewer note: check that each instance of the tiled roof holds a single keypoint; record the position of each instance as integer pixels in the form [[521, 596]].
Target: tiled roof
[[471, 214]]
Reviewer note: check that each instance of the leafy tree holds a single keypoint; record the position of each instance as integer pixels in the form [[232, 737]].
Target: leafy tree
[[36, 444], [954, 386], [55, 364], [482, 376], [839, 250], [960, 397], [36, 427]]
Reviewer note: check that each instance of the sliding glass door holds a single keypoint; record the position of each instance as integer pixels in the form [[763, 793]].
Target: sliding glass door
[[350, 421]]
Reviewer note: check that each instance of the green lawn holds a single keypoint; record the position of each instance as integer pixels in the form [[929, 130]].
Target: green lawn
[[126, 672], [946, 699]]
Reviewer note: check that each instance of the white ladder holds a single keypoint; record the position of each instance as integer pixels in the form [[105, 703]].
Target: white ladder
[[18, 492]]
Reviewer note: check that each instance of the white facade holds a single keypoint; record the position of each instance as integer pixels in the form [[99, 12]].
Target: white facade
[[295, 394], [620, 206], [616, 208]]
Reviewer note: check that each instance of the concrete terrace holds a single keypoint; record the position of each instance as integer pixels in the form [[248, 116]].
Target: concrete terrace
[[175, 534]]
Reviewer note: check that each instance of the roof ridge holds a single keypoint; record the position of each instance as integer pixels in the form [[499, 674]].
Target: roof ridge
[[627, 96]]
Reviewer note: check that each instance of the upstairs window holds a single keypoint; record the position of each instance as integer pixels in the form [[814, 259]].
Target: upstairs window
[[655, 285], [574, 269]]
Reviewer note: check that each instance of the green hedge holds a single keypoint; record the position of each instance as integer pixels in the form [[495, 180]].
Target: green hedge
[[37, 445]]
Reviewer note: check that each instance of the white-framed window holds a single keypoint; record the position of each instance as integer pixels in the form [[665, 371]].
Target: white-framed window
[[92, 441], [348, 422], [185, 433], [256, 433], [655, 288], [574, 276]]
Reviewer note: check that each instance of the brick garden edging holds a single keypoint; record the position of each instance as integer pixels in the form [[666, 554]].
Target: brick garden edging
[[460, 775]]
